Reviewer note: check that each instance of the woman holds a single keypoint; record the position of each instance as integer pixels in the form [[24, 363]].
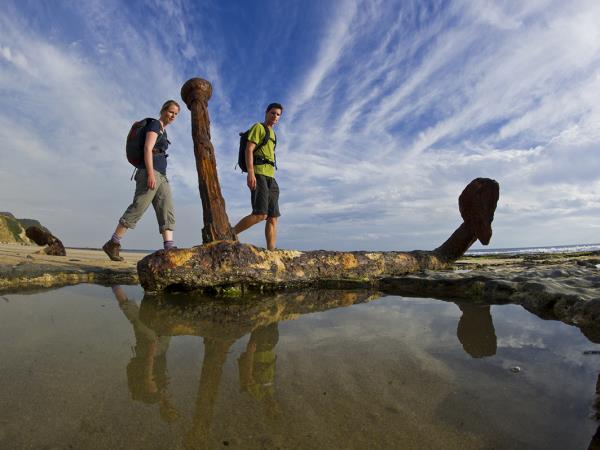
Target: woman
[[151, 185]]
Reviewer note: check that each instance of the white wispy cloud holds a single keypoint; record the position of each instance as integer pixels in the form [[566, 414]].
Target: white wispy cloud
[[486, 94], [390, 110], [70, 107]]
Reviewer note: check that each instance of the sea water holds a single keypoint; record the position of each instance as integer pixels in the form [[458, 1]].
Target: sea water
[[528, 250], [100, 367]]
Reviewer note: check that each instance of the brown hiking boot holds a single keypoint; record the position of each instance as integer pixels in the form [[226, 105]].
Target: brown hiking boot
[[112, 250]]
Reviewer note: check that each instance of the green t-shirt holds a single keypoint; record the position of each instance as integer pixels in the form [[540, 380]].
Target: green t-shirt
[[256, 135]]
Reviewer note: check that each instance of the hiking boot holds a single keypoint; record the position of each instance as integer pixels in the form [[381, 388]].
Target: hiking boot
[[112, 250]]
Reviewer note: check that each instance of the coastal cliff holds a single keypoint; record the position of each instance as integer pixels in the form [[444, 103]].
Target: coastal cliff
[[12, 230]]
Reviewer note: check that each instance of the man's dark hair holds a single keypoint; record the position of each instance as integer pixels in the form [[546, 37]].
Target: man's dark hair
[[274, 105]]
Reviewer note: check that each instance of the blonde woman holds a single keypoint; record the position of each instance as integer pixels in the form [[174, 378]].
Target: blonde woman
[[151, 184]]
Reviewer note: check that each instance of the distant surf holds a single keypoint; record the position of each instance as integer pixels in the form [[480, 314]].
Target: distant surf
[[526, 250]]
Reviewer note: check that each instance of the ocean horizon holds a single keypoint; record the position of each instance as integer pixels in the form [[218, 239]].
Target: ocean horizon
[[570, 248], [537, 249]]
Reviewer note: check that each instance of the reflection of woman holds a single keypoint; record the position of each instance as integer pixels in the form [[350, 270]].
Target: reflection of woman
[[151, 184], [257, 367], [147, 376]]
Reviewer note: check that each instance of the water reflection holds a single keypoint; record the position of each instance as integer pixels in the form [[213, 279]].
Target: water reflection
[[215, 354], [476, 331], [221, 324], [595, 442], [147, 377], [477, 335], [257, 368]]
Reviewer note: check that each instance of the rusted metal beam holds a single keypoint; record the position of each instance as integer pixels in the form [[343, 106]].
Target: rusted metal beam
[[195, 93], [231, 264]]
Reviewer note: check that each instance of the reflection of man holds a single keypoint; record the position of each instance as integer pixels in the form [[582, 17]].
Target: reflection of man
[[476, 330], [147, 376], [257, 367]]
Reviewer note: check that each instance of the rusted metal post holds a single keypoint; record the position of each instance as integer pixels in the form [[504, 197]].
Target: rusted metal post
[[195, 93]]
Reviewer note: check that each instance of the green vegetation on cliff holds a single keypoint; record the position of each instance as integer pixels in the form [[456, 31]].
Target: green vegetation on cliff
[[11, 230]]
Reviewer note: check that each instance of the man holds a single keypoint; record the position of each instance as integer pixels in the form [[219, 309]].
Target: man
[[261, 176]]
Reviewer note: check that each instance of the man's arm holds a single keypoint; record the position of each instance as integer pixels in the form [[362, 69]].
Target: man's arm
[[151, 138], [251, 178]]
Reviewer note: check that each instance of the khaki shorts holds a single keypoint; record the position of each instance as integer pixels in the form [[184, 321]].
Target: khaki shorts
[[160, 197]]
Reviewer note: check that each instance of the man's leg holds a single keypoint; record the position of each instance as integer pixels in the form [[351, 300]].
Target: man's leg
[[259, 199], [271, 232], [273, 213], [248, 221], [167, 235]]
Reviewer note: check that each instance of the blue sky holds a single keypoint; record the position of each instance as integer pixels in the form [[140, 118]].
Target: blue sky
[[391, 108]]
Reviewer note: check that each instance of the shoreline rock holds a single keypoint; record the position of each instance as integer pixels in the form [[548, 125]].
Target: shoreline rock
[[23, 268], [564, 287]]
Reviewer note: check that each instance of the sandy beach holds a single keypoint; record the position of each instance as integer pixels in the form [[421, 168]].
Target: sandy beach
[[24, 267]]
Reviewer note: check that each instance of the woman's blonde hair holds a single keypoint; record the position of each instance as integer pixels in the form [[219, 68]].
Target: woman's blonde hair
[[169, 103]]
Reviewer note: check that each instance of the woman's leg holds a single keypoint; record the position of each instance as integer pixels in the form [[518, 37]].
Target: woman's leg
[[165, 213]]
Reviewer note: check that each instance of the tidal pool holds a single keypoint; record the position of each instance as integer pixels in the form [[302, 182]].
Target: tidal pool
[[97, 367]]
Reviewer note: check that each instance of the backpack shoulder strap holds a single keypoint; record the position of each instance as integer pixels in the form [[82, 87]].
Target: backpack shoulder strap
[[267, 135], [266, 139]]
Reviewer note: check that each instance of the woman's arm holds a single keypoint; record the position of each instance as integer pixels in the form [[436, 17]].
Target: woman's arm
[[151, 138]]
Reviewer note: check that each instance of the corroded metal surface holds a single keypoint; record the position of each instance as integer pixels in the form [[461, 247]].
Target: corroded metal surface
[[228, 263], [477, 204], [232, 264], [195, 93]]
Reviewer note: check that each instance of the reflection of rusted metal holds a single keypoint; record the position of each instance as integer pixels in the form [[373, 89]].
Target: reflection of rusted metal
[[221, 325], [167, 315], [195, 93], [476, 331], [215, 355]]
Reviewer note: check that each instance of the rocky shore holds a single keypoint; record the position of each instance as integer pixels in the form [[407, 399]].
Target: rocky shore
[[26, 267], [562, 286]]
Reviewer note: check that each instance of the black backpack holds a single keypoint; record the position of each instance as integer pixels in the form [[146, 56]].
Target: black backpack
[[258, 159], [136, 138]]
